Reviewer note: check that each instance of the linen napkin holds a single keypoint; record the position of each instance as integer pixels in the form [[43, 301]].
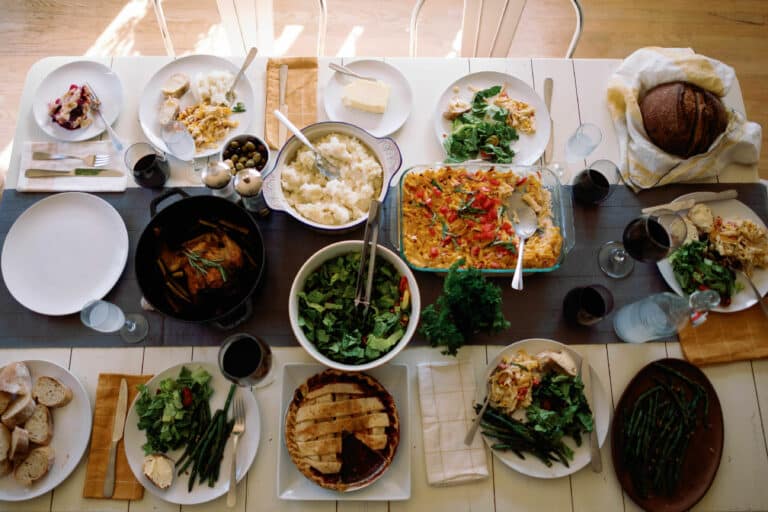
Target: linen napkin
[[300, 94], [126, 485], [74, 183], [726, 337], [643, 165], [446, 392]]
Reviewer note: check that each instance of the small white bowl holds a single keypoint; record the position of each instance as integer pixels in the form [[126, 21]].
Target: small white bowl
[[332, 251]]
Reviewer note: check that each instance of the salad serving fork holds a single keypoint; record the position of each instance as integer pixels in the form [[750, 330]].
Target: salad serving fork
[[97, 160], [237, 431]]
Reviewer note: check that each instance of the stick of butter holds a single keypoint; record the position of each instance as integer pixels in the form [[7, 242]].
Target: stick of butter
[[366, 95]]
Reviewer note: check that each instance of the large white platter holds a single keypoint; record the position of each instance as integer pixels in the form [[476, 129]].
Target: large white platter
[[601, 410], [191, 65], [246, 448], [71, 434], [105, 83], [394, 484], [728, 209], [529, 147], [379, 125], [63, 251]]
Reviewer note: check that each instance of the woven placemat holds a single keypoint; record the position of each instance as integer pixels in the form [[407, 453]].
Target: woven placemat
[[727, 337], [300, 94]]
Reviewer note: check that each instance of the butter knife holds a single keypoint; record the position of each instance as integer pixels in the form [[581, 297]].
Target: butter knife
[[79, 172], [548, 86], [117, 435], [283, 107], [585, 372]]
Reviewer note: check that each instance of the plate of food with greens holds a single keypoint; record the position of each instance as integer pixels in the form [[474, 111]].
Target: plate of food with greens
[[540, 416], [494, 117]]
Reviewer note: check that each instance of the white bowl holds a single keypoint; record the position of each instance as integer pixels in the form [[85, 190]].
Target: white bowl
[[384, 149], [333, 251]]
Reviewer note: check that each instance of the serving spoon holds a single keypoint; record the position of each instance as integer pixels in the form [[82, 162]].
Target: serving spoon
[[325, 167], [524, 221]]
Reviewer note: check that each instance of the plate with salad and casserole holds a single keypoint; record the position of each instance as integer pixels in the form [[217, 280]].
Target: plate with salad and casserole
[[724, 237], [492, 116]]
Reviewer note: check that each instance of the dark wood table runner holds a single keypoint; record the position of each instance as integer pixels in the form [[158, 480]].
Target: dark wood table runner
[[534, 312]]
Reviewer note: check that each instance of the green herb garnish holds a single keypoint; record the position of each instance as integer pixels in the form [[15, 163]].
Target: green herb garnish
[[239, 107], [201, 265]]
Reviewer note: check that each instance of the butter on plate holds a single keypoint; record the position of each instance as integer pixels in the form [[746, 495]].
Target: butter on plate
[[366, 95]]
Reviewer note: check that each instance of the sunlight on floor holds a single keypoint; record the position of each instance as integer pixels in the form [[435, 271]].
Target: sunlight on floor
[[455, 45], [287, 38], [5, 162], [215, 42], [119, 36], [349, 47]]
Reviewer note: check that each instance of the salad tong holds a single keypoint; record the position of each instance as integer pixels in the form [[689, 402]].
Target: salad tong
[[368, 258]]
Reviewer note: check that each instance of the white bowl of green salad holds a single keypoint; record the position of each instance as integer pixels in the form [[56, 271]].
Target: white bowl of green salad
[[327, 324]]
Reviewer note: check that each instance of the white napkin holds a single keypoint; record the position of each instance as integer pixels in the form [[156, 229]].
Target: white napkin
[[643, 164], [446, 392], [74, 183]]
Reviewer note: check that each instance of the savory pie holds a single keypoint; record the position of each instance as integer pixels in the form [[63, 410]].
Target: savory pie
[[342, 429]]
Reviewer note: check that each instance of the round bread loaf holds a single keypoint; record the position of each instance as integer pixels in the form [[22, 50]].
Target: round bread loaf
[[683, 119]]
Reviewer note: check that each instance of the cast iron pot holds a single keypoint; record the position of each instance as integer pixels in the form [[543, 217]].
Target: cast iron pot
[[179, 222]]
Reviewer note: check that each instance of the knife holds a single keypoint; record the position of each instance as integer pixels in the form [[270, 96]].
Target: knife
[[282, 107], [548, 85], [117, 435], [596, 460], [79, 172], [692, 199]]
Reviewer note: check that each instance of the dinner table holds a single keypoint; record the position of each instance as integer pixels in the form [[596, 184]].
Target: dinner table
[[578, 97]]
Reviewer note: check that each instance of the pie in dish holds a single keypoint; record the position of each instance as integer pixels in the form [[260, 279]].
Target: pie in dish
[[342, 429]]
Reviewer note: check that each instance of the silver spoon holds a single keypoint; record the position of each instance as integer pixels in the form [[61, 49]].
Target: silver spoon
[[524, 221], [349, 72], [230, 96], [325, 167], [477, 419]]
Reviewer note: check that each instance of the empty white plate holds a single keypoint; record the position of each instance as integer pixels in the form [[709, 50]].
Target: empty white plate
[[380, 125], [63, 251]]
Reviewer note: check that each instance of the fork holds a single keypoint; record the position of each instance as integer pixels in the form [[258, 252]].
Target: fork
[[96, 106], [90, 160], [237, 431]]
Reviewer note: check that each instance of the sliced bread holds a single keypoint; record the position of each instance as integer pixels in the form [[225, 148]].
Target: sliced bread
[[19, 411], [5, 400], [19, 444], [50, 392], [35, 466], [5, 467], [5, 442], [16, 379], [40, 425]]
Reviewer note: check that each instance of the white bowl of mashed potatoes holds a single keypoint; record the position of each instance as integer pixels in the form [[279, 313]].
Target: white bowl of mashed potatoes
[[366, 165]]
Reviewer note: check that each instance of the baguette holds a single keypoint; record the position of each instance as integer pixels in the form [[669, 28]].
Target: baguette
[[5, 443], [5, 400], [50, 392], [40, 425], [35, 466], [16, 379], [19, 411], [19, 444], [5, 467]]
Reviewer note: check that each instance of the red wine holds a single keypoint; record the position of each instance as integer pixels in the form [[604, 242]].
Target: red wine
[[590, 187], [151, 171], [245, 358], [587, 305], [646, 240]]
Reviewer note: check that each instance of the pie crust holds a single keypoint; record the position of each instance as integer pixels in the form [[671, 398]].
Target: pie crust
[[342, 429]]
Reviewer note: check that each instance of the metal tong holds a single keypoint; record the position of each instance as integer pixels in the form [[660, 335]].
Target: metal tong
[[368, 258]]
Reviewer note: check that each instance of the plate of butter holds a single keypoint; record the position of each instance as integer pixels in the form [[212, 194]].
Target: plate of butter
[[379, 106]]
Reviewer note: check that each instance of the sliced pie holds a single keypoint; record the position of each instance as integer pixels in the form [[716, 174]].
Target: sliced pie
[[342, 429]]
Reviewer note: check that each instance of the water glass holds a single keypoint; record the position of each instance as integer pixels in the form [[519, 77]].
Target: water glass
[[587, 305], [104, 316], [246, 360], [583, 142], [150, 167]]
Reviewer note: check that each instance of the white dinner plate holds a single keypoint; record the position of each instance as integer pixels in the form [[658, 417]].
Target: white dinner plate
[[106, 84], [394, 484], [71, 434], [529, 147], [64, 251], [728, 209], [191, 65], [601, 410], [246, 447], [379, 125]]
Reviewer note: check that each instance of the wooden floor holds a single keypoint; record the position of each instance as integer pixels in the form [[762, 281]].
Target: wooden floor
[[733, 31]]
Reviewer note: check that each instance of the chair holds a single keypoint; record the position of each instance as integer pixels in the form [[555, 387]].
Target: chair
[[479, 21]]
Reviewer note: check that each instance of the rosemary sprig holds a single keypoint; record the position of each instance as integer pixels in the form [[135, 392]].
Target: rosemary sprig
[[202, 264]]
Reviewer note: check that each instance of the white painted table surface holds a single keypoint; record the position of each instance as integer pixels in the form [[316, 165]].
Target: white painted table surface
[[578, 97]]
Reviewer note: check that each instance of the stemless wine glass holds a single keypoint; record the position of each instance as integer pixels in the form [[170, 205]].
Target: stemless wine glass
[[583, 142], [104, 316], [246, 360], [649, 238], [587, 305], [593, 184], [150, 166]]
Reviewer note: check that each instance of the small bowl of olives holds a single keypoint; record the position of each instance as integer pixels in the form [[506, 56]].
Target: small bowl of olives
[[245, 151]]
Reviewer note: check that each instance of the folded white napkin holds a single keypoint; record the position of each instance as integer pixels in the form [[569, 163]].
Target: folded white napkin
[[73, 183], [446, 392], [643, 164]]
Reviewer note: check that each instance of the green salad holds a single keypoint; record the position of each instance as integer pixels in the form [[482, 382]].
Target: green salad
[[329, 319], [698, 267], [481, 132]]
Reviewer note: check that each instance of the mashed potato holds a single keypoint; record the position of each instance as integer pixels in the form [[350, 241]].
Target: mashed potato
[[338, 201]]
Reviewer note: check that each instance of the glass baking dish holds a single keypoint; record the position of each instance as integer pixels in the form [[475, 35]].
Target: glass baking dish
[[562, 212]]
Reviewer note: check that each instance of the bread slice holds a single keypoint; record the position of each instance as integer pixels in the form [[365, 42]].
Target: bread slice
[[5, 400], [19, 411], [19, 444], [35, 466], [5, 442], [40, 425], [5, 467], [16, 379], [50, 392]]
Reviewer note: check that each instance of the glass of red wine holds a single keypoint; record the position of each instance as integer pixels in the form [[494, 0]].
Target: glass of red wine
[[246, 360], [150, 167], [593, 184], [649, 238], [587, 305]]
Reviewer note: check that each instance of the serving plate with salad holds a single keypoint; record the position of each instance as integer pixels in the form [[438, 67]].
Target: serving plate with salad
[[539, 417], [183, 392], [492, 102]]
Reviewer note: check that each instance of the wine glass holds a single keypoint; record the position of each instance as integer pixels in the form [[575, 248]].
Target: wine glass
[[649, 238], [587, 305], [104, 316], [246, 360], [583, 142], [593, 184]]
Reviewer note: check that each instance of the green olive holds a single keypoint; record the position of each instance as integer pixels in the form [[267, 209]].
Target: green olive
[[256, 157], [249, 146], [250, 163], [239, 166], [234, 144], [229, 163]]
